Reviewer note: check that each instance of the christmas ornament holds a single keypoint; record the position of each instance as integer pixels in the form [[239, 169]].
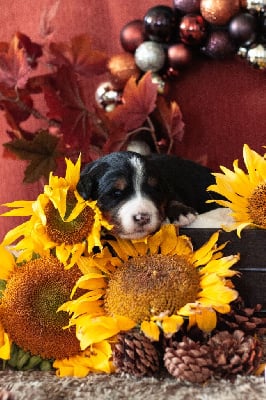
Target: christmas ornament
[[179, 56], [187, 6], [219, 12], [150, 56], [243, 29], [107, 97], [132, 35], [219, 45], [257, 56], [159, 23], [122, 67], [192, 29], [254, 4]]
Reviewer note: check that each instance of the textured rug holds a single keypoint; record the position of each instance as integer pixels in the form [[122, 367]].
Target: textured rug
[[46, 386]]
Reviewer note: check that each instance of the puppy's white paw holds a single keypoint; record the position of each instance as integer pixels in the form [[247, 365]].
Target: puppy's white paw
[[184, 220]]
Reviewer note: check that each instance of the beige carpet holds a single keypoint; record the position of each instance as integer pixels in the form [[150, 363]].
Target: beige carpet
[[45, 386]]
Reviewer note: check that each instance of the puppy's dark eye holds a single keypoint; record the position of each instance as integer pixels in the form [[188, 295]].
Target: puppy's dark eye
[[117, 193]]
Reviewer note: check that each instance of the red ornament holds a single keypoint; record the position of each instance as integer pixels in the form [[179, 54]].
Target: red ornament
[[132, 35], [187, 6], [179, 56], [192, 29], [219, 12]]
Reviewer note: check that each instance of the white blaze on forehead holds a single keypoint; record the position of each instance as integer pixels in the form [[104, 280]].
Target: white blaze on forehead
[[138, 176]]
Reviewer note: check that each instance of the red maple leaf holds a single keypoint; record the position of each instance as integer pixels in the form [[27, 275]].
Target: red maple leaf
[[139, 100], [78, 54], [170, 118], [14, 67]]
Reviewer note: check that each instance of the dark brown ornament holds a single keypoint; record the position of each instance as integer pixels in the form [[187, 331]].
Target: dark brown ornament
[[122, 67], [192, 29], [219, 45], [132, 35], [159, 23], [187, 6], [243, 29], [219, 12], [179, 56]]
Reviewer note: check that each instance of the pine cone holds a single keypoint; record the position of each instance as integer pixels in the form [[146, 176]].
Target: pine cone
[[135, 354], [188, 361], [243, 318], [234, 353]]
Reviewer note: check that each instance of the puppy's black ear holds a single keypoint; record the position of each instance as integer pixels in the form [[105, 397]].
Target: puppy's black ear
[[85, 184]]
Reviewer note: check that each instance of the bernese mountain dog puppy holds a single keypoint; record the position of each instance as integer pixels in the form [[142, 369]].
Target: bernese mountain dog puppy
[[138, 193]]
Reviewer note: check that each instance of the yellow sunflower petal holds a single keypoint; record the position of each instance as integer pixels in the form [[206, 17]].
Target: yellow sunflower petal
[[172, 324], [5, 344], [206, 319], [7, 263], [151, 330]]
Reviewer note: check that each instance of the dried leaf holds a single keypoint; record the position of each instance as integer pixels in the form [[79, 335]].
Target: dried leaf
[[41, 152], [139, 100], [46, 20], [79, 55], [14, 67], [33, 50], [170, 118]]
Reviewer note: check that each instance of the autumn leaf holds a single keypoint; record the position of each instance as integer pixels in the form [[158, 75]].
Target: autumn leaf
[[14, 67], [79, 55], [139, 100], [170, 118], [33, 50], [41, 152]]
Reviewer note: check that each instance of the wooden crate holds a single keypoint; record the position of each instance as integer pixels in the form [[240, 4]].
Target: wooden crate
[[252, 265]]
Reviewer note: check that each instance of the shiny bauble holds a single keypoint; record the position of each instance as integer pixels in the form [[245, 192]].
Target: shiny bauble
[[262, 26], [243, 29], [219, 12], [121, 67], [187, 6], [179, 56], [192, 29], [219, 45], [107, 97], [257, 5], [162, 86], [150, 56], [257, 56], [159, 23], [132, 35]]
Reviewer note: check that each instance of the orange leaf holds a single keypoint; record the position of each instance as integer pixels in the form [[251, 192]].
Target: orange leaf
[[139, 100]]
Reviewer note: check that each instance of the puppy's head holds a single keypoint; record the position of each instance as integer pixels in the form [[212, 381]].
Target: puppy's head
[[128, 191]]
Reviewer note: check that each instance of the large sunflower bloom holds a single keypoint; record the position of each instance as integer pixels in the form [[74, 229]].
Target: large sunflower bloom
[[60, 221], [157, 283], [30, 296], [244, 192]]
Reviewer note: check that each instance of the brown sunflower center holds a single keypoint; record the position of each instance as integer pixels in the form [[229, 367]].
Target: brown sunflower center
[[28, 309], [71, 232], [149, 285], [257, 206]]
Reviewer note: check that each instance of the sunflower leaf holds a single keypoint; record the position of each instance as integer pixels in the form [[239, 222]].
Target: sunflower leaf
[[41, 152]]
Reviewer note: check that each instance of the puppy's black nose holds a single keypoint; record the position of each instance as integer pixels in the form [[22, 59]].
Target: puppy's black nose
[[142, 218]]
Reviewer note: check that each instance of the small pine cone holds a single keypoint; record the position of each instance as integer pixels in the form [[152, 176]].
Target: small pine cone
[[234, 353], [135, 354], [188, 361], [242, 318]]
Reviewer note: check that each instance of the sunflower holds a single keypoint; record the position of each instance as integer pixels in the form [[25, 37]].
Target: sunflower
[[154, 284], [29, 318], [60, 221], [244, 192]]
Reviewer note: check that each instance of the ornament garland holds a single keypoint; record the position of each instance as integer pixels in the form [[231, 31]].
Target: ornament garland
[[168, 39]]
